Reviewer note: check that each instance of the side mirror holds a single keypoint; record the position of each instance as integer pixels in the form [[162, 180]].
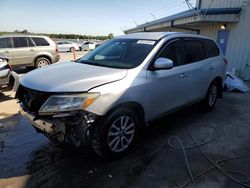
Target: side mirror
[[163, 63]]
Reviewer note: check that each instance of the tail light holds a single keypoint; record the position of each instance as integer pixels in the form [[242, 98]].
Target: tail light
[[225, 61]]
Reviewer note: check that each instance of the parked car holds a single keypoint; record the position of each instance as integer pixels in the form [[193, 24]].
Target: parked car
[[6, 78], [29, 50], [67, 46], [104, 98], [88, 45]]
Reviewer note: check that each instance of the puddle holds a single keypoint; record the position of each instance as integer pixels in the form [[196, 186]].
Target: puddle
[[18, 140]]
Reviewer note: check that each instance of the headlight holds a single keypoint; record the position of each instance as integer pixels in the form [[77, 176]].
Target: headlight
[[63, 103]]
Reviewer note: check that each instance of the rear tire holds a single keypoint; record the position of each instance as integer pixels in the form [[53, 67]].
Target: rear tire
[[42, 62], [113, 135], [211, 96]]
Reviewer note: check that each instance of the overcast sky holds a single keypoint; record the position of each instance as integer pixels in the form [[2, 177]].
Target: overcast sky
[[93, 17]]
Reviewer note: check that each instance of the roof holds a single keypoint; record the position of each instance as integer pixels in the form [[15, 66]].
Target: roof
[[158, 35], [146, 35], [188, 13]]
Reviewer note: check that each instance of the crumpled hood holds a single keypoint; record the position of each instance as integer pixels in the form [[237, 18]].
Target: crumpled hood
[[70, 77]]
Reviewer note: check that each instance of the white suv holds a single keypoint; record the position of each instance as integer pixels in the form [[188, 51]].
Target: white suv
[[103, 98]]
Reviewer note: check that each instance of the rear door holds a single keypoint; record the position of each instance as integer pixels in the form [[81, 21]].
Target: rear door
[[199, 69], [167, 88], [6, 47], [24, 51]]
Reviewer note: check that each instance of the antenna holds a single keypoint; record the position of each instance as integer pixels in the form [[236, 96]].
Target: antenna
[[153, 16], [190, 6], [122, 29], [135, 23], [208, 7]]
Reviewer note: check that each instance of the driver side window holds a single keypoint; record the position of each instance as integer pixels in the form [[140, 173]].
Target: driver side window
[[172, 52]]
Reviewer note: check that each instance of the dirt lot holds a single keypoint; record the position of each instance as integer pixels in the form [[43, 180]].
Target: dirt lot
[[70, 56], [28, 159]]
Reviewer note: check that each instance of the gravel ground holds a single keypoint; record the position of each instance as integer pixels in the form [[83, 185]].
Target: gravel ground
[[70, 56]]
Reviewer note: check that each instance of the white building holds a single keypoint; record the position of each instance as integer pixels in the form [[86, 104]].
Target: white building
[[226, 21]]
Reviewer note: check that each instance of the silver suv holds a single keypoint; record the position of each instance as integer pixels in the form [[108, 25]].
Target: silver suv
[[29, 50], [105, 97]]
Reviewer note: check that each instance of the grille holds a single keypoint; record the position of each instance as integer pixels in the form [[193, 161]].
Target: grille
[[31, 100]]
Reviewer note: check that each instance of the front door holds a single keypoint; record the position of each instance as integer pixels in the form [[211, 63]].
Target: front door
[[222, 39], [167, 88]]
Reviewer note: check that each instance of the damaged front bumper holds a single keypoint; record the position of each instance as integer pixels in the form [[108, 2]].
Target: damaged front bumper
[[60, 129], [50, 128], [37, 123]]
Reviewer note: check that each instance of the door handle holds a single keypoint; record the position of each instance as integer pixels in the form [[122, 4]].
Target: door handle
[[184, 75], [32, 50], [7, 51]]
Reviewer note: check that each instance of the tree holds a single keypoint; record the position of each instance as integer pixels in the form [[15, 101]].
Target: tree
[[111, 35], [25, 31]]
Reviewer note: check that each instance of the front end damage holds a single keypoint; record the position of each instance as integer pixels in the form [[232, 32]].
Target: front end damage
[[65, 127]]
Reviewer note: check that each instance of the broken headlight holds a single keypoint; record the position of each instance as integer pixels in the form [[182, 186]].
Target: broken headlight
[[64, 103]]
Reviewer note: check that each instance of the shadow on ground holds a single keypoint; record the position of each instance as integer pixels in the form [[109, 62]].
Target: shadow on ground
[[4, 97]]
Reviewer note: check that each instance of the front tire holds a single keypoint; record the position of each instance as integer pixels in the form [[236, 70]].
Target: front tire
[[211, 96], [114, 135]]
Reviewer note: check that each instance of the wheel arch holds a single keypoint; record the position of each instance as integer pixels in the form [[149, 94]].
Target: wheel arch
[[132, 105]]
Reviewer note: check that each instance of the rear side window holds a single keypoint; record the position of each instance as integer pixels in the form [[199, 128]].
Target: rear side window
[[195, 50], [20, 42], [5, 42], [40, 41], [212, 48], [173, 51]]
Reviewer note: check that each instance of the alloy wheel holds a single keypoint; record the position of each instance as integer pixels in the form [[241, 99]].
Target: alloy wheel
[[121, 134], [42, 63], [212, 95]]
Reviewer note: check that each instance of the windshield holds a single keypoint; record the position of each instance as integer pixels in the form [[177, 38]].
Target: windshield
[[119, 53]]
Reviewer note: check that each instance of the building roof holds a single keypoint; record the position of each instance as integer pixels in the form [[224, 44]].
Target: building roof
[[188, 13], [146, 35]]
